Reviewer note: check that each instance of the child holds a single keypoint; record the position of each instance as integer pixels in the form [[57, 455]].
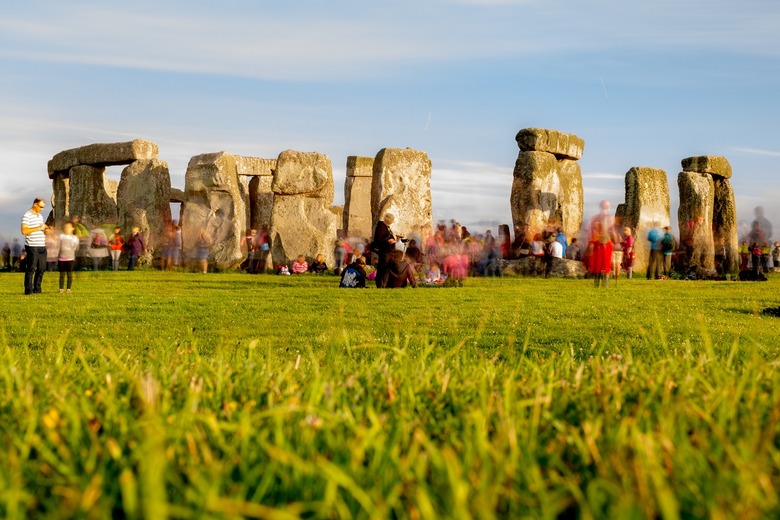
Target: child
[[69, 244], [318, 266], [300, 266]]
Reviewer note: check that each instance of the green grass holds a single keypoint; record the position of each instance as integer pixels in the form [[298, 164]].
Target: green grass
[[149, 394]]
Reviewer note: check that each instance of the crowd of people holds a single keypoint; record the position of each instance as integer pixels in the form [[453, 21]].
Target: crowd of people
[[445, 255]]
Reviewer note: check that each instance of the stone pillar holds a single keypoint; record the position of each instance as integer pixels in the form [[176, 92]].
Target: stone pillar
[[357, 221], [90, 195], [213, 204], [60, 199], [302, 220], [401, 185], [547, 183], [724, 214], [697, 199], [646, 205], [261, 197], [144, 196]]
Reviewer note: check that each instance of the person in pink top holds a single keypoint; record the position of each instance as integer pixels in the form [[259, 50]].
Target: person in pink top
[[300, 265]]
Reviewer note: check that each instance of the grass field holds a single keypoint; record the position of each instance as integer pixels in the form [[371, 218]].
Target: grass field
[[153, 395]]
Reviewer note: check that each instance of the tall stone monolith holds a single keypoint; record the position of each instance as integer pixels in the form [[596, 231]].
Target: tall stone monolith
[[357, 219], [90, 195], [646, 205], [143, 200], [214, 204], [724, 213], [302, 219], [401, 185], [547, 184], [697, 199]]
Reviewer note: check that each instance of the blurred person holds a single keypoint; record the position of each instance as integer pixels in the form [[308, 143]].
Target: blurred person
[[98, 248], [136, 246], [354, 275], [202, 248], [397, 273], [761, 223], [34, 247], [553, 249], [601, 245], [262, 248], [6, 256], [573, 250], [755, 258], [299, 265], [776, 255], [340, 251], [537, 246], [766, 253], [168, 246], [521, 246], [744, 255], [66, 255], [52, 248], [655, 265], [248, 247], [384, 244], [455, 265], [668, 247], [16, 253], [318, 266], [115, 245], [628, 252], [721, 255], [434, 274], [414, 253], [560, 237]]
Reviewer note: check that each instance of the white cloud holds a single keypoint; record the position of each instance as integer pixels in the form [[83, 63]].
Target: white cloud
[[757, 151]]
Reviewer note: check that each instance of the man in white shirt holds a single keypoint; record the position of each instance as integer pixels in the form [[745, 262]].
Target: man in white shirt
[[35, 247]]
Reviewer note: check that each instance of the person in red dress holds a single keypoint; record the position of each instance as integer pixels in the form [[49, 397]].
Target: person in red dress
[[600, 263]]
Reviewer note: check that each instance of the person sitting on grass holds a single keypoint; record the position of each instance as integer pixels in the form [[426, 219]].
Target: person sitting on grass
[[300, 265], [354, 275], [318, 266], [398, 273]]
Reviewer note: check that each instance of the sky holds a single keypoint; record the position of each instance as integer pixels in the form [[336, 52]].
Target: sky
[[643, 83]]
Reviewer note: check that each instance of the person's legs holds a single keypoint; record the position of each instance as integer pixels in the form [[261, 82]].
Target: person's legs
[[131, 262], [39, 259]]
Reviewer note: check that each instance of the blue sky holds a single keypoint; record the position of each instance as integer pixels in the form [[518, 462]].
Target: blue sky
[[643, 83]]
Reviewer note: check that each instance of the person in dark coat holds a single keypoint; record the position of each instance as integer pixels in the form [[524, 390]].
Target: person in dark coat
[[383, 244], [398, 273]]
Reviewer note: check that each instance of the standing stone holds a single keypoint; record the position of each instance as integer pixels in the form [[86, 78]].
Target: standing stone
[[535, 190], [90, 195], [357, 220], [302, 221], [724, 221], [143, 196], [547, 184], [214, 204], [401, 185], [60, 199], [697, 198], [646, 205]]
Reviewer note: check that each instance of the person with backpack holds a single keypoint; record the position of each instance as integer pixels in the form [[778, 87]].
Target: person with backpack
[[668, 247], [354, 275], [654, 267]]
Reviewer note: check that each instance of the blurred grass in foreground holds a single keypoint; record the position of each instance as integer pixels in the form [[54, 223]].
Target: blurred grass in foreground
[[147, 395]]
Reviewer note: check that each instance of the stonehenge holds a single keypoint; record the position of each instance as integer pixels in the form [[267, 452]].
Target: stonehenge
[[646, 205], [707, 212], [292, 196], [401, 185], [547, 184]]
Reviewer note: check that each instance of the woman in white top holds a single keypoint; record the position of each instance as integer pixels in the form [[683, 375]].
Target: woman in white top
[[69, 244]]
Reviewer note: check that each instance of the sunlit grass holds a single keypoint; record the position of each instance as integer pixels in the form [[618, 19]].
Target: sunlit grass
[[152, 394]]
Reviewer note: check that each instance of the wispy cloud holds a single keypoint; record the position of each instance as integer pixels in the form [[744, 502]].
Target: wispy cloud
[[757, 151], [602, 175]]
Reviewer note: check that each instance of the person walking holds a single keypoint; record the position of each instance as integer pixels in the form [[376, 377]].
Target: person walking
[[66, 256], [35, 247], [383, 244], [136, 247]]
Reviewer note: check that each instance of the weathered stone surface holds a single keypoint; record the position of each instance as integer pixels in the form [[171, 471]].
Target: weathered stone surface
[[532, 266], [303, 173], [143, 200], [560, 144], [103, 154], [724, 221], [571, 198], [302, 221], [214, 203], [90, 195], [538, 195], [254, 166], [177, 195], [712, 164], [401, 185], [357, 220], [261, 201], [60, 199], [646, 205], [697, 199]]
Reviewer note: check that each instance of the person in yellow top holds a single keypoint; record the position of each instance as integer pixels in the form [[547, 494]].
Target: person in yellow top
[[744, 254]]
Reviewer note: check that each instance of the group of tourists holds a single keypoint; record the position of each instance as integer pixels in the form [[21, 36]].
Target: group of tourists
[[73, 246]]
